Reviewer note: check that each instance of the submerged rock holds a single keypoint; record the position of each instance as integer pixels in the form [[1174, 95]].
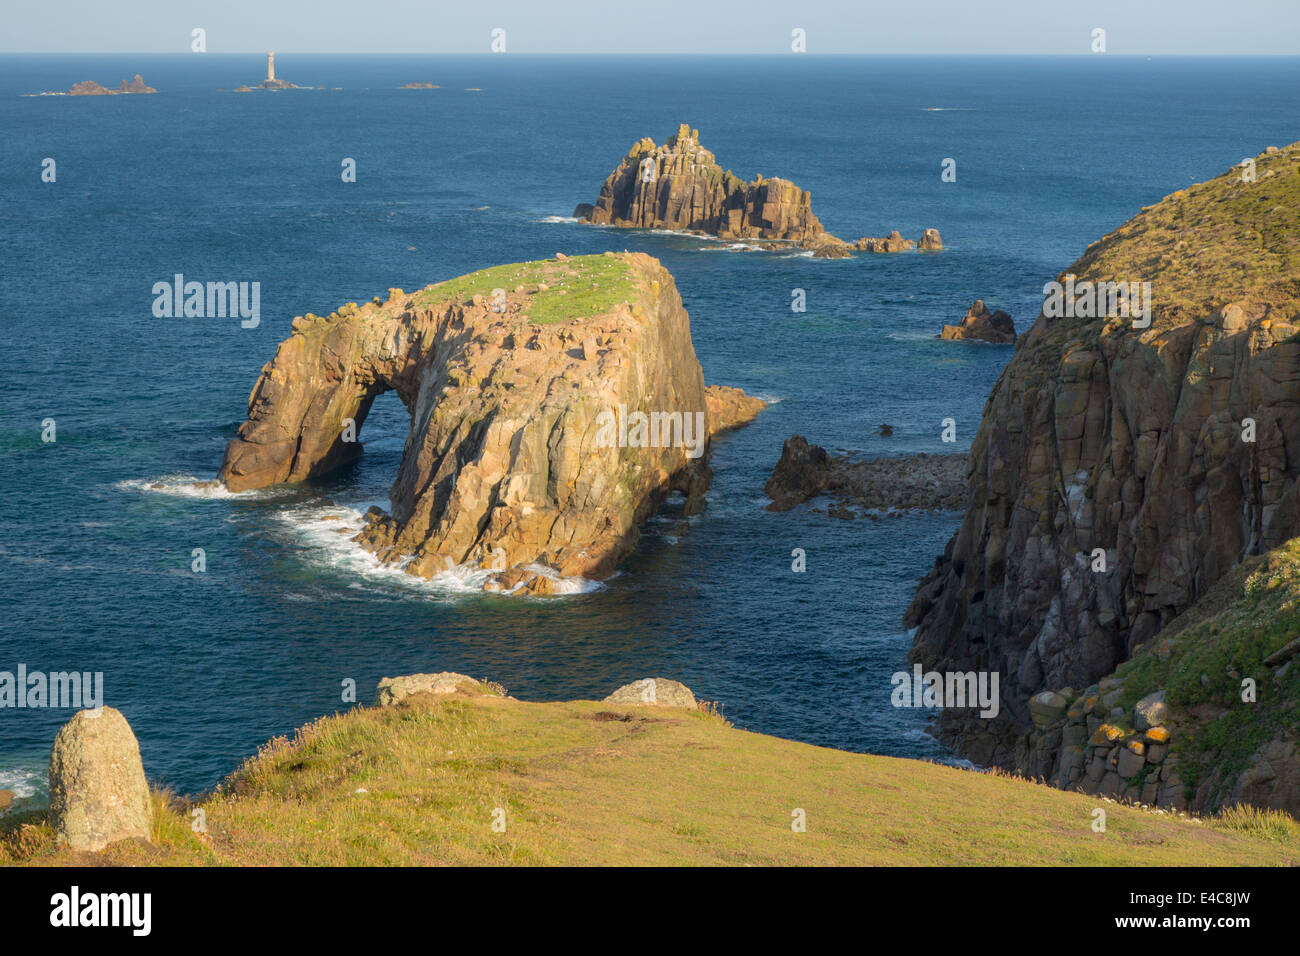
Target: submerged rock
[[547, 421], [98, 793]]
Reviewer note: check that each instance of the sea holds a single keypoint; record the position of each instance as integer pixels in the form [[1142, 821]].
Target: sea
[[99, 527]]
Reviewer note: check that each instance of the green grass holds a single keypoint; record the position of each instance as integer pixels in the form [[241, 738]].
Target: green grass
[[1201, 659], [578, 287], [591, 783]]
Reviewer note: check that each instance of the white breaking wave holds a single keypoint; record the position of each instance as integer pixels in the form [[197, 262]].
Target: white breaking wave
[[557, 219], [188, 486], [23, 783], [327, 531]]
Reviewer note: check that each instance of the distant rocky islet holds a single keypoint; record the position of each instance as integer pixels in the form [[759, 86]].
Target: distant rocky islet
[[91, 88], [680, 186]]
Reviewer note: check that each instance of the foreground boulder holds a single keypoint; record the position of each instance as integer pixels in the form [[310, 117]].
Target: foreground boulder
[[680, 186], [98, 793], [393, 690], [553, 406], [1126, 462], [982, 325], [658, 691]]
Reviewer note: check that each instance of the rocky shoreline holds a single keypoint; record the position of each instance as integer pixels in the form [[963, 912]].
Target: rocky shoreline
[[913, 483]]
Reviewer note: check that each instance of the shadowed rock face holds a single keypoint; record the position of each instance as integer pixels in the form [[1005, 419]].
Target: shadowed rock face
[[1100, 435], [680, 185], [523, 455]]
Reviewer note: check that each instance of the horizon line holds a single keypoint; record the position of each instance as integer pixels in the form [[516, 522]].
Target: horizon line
[[615, 53]]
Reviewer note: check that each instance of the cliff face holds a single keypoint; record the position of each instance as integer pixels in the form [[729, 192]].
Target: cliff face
[[524, 381], [1119, 471], [680, 185]]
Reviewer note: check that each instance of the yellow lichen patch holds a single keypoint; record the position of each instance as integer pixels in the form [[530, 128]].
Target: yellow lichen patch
[[1106, 733]]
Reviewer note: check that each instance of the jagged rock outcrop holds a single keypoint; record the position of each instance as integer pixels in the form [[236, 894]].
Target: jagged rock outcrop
[[1122, 468], [680, 186], [553, 405], [918, 482], [981, 325], [98, 793], [138, 85]]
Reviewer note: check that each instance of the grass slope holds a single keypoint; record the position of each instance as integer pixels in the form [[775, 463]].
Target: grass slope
[[1201, 659], [576, 287], [590, 783]]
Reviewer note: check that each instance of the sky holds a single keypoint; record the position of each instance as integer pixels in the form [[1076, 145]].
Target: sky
[[707, 27]]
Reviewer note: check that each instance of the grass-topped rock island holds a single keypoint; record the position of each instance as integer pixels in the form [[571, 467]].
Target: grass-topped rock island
[[554, 405]]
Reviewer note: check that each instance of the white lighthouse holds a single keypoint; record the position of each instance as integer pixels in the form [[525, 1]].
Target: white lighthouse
[[270, 67]]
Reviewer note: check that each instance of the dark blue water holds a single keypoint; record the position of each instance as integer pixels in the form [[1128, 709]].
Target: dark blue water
[[1051, 154]]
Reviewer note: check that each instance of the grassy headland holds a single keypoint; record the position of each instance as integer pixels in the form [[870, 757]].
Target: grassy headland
[[591, 783]]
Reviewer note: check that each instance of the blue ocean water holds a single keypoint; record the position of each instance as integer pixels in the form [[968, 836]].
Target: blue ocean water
[[1051, 154]]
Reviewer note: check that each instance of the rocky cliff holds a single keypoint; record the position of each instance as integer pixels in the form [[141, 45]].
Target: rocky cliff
[[553, 406], [680, 185], [1131, 454]]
